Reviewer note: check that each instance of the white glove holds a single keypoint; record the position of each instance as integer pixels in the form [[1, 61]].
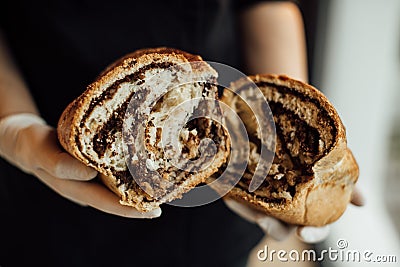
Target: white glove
[[275, 228], [278, 229], [27, 142]]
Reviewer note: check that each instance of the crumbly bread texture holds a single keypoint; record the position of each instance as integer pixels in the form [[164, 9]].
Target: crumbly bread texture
[[91, 127], [313, 172]]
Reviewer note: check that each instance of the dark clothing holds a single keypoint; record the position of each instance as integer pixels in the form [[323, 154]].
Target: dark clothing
[[60, 47]]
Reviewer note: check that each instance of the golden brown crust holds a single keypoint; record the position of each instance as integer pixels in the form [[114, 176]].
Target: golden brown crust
[[72, 114], [65, 131], [70, 120], [146, 51], [315, 203], [306, 90], [324, 198]]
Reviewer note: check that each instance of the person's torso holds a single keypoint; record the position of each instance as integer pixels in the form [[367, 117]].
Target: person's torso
[[60, 47]]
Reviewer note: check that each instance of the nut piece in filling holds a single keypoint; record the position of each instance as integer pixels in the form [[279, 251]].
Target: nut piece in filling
[[313, 172], [124, 111]]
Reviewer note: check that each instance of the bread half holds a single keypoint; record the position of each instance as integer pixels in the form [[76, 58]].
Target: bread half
[[126, 109], [313, 172]]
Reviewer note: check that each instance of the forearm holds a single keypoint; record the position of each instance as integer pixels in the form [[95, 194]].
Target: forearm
[[273, 40], [14, 94]]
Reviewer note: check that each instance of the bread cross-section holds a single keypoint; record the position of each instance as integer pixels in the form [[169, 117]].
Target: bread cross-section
[[129, 104], [313, 172]]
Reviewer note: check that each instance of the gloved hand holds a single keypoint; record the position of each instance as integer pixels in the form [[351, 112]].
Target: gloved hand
[[280, 230], [27, 142]]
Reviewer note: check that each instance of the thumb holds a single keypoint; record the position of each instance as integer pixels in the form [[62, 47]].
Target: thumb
[[67, 167]]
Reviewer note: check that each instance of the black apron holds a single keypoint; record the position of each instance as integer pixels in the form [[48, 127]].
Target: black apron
[[60, 47]]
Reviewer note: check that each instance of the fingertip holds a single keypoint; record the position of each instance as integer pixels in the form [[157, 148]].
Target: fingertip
[[357, 198], [70, 168], [88, 173], [145, 215], [82, 172], [154, 213], [311, 235]]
